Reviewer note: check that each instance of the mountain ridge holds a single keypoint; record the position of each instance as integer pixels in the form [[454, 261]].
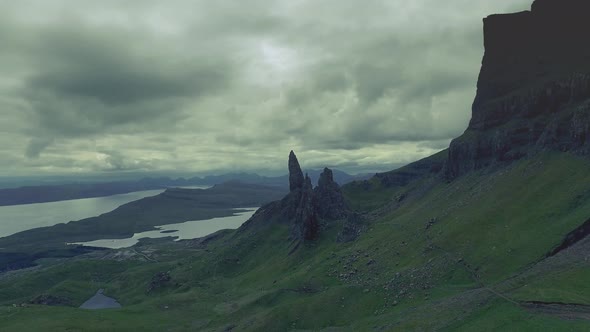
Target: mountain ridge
[[61, 192]]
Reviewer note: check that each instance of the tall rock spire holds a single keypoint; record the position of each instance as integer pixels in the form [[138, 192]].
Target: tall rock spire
[[304, 208], [295, 174]]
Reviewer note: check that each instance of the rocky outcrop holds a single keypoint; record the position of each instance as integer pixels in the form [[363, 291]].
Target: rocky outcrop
[[304, 208], [351, 229], [306, 223], [330, 202], [572, 238], [533, 91]]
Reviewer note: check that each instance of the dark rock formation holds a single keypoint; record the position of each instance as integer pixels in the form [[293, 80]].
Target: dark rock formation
[[303, 208], [306, 224], [572, 238], [295, 173], [330, 202], [533, 91]]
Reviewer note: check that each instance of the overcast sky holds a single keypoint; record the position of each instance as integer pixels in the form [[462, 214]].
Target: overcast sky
[[214, 86]]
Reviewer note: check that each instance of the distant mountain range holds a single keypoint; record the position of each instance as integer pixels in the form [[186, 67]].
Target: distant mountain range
[[282, 181], [61, 192]]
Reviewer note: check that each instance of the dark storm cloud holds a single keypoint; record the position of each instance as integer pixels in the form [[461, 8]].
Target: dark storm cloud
[[88, 81], [212, 86], [116, 68]]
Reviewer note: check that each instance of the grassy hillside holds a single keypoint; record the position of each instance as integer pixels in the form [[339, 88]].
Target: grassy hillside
[[464, 255]]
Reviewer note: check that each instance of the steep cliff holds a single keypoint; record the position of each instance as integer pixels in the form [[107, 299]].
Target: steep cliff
[[533, 91]]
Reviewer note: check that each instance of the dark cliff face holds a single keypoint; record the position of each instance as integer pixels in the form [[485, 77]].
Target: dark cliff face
[[533, 91]]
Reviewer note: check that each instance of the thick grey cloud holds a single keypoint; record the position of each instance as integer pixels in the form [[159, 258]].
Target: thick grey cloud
[[88, 81], [202, 86], [120, 67]]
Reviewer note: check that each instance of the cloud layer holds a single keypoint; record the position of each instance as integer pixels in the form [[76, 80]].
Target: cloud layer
[[207, 87]]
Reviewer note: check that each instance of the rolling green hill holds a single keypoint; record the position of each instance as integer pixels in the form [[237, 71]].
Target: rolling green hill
[[470, 254]]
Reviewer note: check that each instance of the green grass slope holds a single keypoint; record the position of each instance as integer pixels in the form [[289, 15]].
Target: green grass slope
[[467, 255]]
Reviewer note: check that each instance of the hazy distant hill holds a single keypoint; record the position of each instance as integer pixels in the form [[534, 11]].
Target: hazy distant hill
[[61, 192]]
